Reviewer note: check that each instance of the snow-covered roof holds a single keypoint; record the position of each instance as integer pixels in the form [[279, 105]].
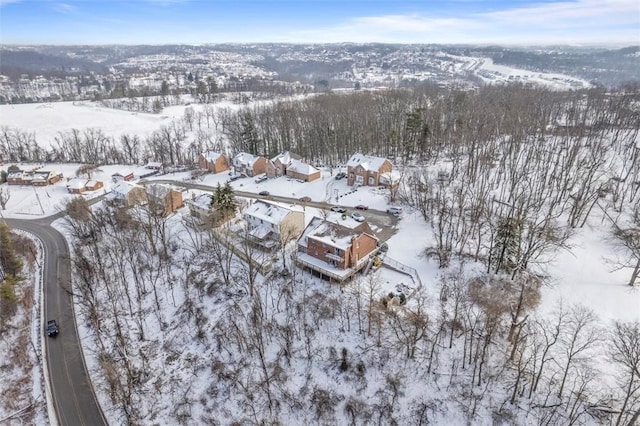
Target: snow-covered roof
[[268, 212], [158, 190], [298, 166], [286, 157], [77, 183], [124, 187], [153, 165], [123, 173], [245, 159], [92, 183], [211, 156], [203, 201], [367, 162], [333, 234]]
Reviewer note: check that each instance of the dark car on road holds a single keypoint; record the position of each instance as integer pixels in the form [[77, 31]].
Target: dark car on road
[[361, 207], [263, 193], [52, 328]]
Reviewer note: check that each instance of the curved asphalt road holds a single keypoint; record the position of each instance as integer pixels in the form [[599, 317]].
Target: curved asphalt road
[[73, 397]]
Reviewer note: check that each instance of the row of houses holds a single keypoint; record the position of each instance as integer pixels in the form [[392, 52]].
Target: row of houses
[[362, 170], [33, 177], [164, 199], [336, 249]]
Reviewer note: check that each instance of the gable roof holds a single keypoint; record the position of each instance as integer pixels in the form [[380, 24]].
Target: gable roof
[[124, 187], [77, 183], [245, 159], [268, 212], [159, 190], [333, 234], [286, 157], [203, 201], [367, 162], [298, 166], [211, 156]]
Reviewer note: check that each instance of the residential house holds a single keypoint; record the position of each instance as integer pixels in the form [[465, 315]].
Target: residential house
[[213, 162], [15, 177], [336, 249], [277, 166], [163, 198], [249, 164], [366, 170], [153, 165], [299, 170], [200, 207], [122, 175], [76, 186], [44, 178], [129, 193], [93, 185], [270, 224]]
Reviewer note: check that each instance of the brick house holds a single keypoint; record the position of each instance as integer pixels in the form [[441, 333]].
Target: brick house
[[44, 178], [249, 164], [299, 170], [213, 162], [122, 175], [270, 224], [77, 186], [366, 170], [129, 193], [163, 198], [93, 185], [15, 178], [277, 166], [336, 250]]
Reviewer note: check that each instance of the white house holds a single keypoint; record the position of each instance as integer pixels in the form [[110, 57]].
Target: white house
[[271, 223]]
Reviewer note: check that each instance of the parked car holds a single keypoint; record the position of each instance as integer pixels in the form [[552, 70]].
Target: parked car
[[263, 193], [52, 328], [394, 211], [361, 207], [305, 199], [261, 178], [338, 209], [234, 176], [341, 175], [357, 217]]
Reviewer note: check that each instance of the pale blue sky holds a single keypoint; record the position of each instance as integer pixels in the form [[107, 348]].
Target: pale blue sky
[[583, 22]]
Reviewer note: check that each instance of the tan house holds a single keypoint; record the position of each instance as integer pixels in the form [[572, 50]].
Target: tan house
[[44, 178], [77, 186], [271, 224], [15, 177], [336, 250], [366, 170], [248, 164], [93, 185], [299, 170], [213, 162], [277, 166], [163, 198], [128, 193]]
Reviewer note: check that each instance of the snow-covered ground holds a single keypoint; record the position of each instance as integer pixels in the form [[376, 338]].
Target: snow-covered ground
[[582, 274]]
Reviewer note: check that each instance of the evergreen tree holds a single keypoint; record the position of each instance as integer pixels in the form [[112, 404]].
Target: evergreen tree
[[506, 250]]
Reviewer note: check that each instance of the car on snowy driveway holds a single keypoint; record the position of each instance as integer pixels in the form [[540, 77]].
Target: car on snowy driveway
[[338, 209], [357, 217]]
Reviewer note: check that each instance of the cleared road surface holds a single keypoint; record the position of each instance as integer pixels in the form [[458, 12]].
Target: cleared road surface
[[73, 398]]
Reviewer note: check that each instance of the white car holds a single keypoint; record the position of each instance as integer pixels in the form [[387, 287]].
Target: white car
[[357, 217], [261, 178], [394, 211]]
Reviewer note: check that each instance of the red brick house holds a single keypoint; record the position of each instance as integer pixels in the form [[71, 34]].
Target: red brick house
[[366, 170], [249, 164], [299, 170], [277, 166], [336, 250], [93, 185], [213, 162], [163, 198], [122, 175]]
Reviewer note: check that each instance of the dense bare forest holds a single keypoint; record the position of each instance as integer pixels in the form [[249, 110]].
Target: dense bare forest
[[504, 177]]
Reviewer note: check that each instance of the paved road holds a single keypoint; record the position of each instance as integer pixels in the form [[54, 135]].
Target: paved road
[[382, 223], [74, 401]]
